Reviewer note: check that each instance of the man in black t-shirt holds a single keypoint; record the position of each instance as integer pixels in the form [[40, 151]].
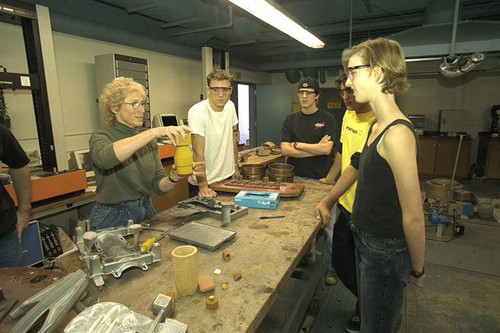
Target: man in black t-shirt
[[14, 156], [307, 134]]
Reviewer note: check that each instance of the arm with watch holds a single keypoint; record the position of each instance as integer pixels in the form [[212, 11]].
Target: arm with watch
[[323, 147], [167, 183], [290, 149], [299, 149]]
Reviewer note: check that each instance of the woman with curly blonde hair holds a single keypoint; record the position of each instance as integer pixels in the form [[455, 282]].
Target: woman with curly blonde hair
[[126, 162]]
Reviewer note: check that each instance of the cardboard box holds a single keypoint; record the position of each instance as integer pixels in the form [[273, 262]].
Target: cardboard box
[[257, 199]]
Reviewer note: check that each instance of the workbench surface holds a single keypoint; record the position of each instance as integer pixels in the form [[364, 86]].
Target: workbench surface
[[263, 251]]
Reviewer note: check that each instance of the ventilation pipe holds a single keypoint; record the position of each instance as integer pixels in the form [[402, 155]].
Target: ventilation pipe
[[292, 75], [461, 65], [454, 66]]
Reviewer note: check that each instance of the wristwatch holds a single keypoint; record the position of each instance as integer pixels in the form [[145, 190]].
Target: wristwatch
[[416, 274]]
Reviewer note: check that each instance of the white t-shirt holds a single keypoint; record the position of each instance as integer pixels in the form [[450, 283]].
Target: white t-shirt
[[217, 129]]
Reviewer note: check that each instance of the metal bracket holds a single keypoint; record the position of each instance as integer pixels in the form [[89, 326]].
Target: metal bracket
[[225, 211]]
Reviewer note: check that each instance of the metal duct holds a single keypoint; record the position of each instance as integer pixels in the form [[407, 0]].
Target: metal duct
[[456, 66], [292, 75], [461, 65], [445, 33]]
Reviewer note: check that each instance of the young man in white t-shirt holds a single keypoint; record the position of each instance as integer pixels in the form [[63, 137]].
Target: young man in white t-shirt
[[214, 122]]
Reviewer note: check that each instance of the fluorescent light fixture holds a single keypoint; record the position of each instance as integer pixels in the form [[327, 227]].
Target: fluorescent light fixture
[[269, 12]]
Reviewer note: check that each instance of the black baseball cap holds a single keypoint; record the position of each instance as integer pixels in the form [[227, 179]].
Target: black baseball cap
[[309, 82]]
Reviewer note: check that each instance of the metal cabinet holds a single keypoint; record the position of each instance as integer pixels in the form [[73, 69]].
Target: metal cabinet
[[111, 66], [437, 156]]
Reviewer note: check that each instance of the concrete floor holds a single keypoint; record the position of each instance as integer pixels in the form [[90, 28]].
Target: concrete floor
[[462, 287]]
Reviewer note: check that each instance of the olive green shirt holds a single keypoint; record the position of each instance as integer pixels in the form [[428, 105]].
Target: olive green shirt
[[131, 179]]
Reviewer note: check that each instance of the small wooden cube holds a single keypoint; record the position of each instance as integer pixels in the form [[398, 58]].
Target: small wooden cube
[[206, 283]]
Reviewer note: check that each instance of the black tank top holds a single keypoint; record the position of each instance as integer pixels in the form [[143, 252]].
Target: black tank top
[[376, 209]]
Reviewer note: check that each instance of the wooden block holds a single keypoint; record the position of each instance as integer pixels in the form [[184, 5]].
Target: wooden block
[[206, 283], [439, 230]]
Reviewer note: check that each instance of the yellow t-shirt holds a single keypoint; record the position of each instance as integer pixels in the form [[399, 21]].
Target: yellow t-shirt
[[353, 136]]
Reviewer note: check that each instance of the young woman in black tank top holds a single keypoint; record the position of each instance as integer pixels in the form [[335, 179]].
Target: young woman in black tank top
[[387, 218]]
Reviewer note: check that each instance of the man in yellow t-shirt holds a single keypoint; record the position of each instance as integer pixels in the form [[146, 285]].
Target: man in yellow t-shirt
[[355, 127]]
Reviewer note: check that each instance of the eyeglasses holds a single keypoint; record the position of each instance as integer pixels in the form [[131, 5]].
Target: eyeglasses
[[307, 92], [219, 90], [352, 72], [347, 91], [137, 105]]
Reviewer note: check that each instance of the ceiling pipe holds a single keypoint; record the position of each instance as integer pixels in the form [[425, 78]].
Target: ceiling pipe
[[143, 7], [78, 27], [176, 23], [454, 66], [340, 27], [223, 26], [454, 30], [423, 59]]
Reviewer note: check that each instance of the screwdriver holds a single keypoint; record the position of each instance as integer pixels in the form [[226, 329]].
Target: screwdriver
[[148, 244], [271, 217]]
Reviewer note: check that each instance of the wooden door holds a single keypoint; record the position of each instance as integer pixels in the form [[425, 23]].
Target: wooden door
[[427, 155]]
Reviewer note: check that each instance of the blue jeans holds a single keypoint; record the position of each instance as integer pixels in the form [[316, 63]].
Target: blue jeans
[[344, 253], [193, 190], [383, 271], [107, 216], [10, 250]]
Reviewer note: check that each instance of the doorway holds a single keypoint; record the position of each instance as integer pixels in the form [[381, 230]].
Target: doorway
[[244, 99]]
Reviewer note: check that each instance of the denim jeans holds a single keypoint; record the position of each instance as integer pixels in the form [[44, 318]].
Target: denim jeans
[[107, 216], [383, 271], [193, 190], [329, 238], [10, 250], [344, 253]]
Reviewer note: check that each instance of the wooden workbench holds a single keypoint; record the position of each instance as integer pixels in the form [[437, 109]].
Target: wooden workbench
[[264, 251]]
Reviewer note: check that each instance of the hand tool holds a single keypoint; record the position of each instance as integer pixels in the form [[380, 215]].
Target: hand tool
[[162, 306], [271, 217], [146, 246]]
